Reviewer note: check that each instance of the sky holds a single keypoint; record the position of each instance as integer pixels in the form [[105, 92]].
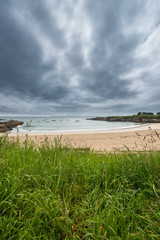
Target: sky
[[79, 57]]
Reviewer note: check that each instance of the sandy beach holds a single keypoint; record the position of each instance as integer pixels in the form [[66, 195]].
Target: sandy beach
[[137, 138]]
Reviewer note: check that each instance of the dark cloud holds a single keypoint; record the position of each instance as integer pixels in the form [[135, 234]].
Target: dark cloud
[[39, 12], [21, 64], [91, 56]]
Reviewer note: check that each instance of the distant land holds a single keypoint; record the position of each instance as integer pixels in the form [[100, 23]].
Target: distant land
[[141, 117]]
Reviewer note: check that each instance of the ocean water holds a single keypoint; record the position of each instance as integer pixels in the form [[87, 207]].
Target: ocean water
[[64, 124]]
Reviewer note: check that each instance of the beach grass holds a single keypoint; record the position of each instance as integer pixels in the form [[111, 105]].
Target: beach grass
[[58, 192]]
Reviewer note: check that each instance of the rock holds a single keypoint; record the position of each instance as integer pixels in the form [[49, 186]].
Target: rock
[[3, 128], [9, 125]]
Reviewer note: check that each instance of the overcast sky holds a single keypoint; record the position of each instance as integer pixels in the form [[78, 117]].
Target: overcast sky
[[79, 57]]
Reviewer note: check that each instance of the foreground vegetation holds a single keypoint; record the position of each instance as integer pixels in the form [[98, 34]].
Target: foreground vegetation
[[59, 192]]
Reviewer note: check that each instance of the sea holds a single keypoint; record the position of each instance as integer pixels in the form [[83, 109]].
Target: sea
[[60, 124]]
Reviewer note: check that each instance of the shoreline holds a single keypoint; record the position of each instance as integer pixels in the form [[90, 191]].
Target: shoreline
[[136, 139], [92, 131]]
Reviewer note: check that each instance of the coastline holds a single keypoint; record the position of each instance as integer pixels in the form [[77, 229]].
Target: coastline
[[92, 131], [136, 138]]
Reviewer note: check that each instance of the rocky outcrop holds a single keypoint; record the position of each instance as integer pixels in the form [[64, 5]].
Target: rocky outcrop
[[134, 118], [9, 125]]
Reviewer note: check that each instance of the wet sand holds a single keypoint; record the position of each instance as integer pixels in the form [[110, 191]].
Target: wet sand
[[143, 137]]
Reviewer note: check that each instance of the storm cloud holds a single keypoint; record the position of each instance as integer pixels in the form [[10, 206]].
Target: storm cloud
[[80, 57]]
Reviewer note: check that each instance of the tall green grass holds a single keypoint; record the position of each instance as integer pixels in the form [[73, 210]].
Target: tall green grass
[[60, 192]]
